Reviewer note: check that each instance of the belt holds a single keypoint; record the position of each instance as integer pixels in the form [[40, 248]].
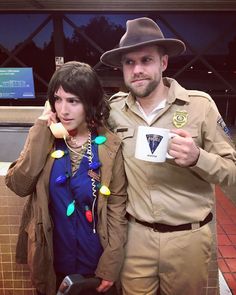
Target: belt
[[163, 228]]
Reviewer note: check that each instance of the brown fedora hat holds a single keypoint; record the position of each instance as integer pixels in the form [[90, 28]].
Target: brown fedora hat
[[141, 32]]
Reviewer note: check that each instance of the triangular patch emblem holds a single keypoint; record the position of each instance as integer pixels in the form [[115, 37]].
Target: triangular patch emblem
[[153, 141]]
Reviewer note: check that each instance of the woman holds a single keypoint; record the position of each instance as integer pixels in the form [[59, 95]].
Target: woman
[[74, 220]]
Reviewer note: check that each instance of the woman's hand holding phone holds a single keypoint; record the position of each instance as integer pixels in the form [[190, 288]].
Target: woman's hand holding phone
[[57, 129], [48, 114]]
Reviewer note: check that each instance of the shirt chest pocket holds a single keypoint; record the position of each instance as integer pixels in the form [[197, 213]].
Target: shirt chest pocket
[[194, 132], [127, 135]]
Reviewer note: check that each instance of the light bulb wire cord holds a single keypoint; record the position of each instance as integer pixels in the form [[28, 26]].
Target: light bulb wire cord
[[89, 156]]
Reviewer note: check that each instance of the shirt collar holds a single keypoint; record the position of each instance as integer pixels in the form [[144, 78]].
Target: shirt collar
[[160, 106], [176, 91]]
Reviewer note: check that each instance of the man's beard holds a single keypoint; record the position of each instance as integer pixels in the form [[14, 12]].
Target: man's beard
[[146, 91]]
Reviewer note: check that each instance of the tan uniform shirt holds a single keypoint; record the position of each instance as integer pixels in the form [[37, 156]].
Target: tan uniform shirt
[[166, 192]]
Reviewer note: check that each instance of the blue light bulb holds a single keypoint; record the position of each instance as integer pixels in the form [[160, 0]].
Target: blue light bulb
[[62, 178], [94, 165]]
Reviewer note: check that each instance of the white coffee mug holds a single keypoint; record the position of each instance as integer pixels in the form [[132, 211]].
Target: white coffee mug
[[152, 144]]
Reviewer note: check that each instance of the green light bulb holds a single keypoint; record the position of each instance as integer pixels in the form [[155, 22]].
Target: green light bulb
[[100, 139], [70, 209]]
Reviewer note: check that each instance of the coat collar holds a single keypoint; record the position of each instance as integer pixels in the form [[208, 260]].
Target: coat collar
[[113, 141]]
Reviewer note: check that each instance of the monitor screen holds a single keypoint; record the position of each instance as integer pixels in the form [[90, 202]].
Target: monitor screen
[[16, 83]]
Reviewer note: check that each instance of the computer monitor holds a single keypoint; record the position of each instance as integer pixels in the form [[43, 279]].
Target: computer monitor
[[16, 83]]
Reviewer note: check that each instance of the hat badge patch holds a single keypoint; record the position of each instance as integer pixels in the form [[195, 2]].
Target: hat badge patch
[[180, 118], [153, 141]]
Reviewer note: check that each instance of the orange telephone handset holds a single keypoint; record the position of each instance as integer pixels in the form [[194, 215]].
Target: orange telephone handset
[[58, 130]]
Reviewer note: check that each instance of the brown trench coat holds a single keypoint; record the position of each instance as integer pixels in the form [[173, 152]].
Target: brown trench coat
[[29, 175]]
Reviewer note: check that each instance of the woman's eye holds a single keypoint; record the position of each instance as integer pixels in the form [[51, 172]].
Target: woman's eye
[[74, 100], [56, 98]]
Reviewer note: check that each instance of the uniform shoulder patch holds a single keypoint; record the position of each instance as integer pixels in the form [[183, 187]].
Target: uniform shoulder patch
[[224, 127], [118, 96], [199, 93]]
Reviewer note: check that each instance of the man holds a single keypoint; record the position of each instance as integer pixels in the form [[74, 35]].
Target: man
[[169, 204]]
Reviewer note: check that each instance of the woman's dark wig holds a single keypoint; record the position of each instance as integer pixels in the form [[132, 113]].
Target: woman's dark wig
[[81, 80]]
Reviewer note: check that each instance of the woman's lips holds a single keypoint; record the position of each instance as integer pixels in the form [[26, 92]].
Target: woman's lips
[[66, 121]]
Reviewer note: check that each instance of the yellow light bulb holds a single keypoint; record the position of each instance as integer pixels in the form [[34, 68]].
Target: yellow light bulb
[[57, 154], [105, 190]]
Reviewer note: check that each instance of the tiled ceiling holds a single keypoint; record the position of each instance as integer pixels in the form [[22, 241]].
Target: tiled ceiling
[[111, 5]]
